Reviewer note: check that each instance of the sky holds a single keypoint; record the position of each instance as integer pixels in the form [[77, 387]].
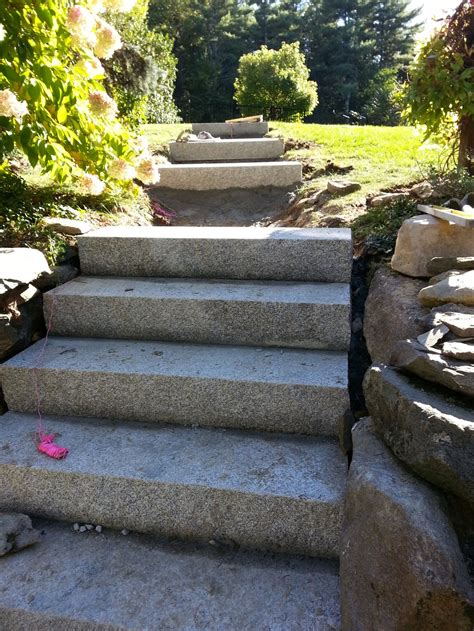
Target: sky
[[434, 8]]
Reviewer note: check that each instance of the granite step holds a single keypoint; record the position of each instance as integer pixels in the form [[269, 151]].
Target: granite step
[[224, 175], [233, 130], [107, 582], [304, 254], [281, 390], [267, 492], [244, 149], [253, 313]]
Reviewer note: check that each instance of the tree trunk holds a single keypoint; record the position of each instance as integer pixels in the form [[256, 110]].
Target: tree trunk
[[466, 144]]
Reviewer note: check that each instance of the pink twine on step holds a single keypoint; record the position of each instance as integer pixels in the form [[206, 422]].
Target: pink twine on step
[[45, 442]]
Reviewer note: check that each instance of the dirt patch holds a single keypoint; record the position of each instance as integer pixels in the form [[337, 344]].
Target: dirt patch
[[293, 144], [232, 207]]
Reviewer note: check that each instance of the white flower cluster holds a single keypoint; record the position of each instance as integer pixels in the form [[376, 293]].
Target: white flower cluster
[[107, 40], [3, 32], [121, 170], [10, 106], [91, 184], [147, 170], [91, 67], [101, 104]]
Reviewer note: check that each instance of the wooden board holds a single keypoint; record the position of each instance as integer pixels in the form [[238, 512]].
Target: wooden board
[[246, 119], [462, 218]]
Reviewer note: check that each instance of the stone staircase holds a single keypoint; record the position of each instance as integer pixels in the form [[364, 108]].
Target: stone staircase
[[240, 157], [199, 377]]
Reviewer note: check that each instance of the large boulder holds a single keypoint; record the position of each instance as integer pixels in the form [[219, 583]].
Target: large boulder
[[401, 565], [423, 238], [432, 434], [457, 288], [392, 312], [16, 533], [451, 373]]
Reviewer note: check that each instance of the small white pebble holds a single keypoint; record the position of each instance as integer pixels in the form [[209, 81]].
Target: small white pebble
[[75, 527], [82, 529], [98, 528], [213, 542], [89, 527], [125, 532]]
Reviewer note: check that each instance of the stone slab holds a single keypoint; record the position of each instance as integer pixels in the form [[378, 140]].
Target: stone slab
[[287, 390], [264, 492], [183, 587], [254, 313], [233, 130], [227, 150], [22, 265], [309, 254], [225, 175]]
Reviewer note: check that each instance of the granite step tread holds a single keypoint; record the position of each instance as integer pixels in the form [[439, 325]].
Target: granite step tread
[[269, 492], [233, 130], [285, 390], [225, 175], [246, 253], [225, 150], [107, 582], [268, 313]]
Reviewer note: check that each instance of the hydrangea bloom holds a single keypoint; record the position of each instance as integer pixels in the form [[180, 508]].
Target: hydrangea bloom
[[108, 40], [80, 21], [3, 32], [141, 145], [101, 104], [124, 6], [121, 170], [10, 106], [91, 184], [91, 67], [147, 171]]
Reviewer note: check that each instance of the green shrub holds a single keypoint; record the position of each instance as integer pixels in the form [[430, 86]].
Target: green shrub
[[275, 82]]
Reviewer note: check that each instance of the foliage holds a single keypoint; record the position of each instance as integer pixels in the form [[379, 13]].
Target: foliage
[[141, 75], [439, 93], [52, 102], [381, 105], [276, 81]]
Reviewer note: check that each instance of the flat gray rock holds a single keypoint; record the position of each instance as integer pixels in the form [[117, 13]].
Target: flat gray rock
[[392, 312], [458, 318], [16, 533], [459, 350], [401, 564], [457, 289], [21, 266], [387, 199], [453, 374], [442, 264], [71, 227], [271, 492], [342, 187], [289, 390], [432, 434], [108, 582]]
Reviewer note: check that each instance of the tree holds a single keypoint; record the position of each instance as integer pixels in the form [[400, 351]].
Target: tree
[[439, 92], [53, 106], [276, 82]]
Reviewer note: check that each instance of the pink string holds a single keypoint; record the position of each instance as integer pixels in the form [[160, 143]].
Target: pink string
[[45, 442]]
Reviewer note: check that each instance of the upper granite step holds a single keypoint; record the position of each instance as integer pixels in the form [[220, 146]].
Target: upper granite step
[[251, 313], [226, 175], [233, 130], [279, 390], [267, 492], [305, 254], [227, 150], [108, 582]]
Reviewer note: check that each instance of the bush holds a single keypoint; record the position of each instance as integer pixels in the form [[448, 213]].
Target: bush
[[53, 106], [276, 83]]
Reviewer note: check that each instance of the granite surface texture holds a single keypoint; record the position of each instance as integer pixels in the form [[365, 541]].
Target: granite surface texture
[[227, 150], [233, 130]]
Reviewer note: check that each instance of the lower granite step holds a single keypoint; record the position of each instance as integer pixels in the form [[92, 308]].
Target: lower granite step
[[260, 491], [109, 582]]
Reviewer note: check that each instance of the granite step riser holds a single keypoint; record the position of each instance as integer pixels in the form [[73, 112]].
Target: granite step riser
[[235, 130], [227, 151], [310, 326], [223, 176], [328, 259], [272, 407], [175, 511]]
